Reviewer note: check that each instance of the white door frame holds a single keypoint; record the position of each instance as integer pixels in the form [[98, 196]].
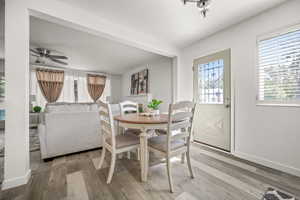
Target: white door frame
[[232, 103]]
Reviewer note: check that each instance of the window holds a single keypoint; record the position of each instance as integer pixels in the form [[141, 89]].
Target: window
[[279, 68], [74, 90], [210, 82]]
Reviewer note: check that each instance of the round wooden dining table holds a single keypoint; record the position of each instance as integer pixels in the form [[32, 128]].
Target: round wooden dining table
[[144, 123]]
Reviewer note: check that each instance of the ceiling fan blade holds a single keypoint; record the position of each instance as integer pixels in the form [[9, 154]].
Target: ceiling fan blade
[[34, 55], [34, 51], [58, 61], [58, 57]]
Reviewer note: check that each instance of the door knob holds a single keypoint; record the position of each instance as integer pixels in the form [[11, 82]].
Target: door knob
[[227, 106]]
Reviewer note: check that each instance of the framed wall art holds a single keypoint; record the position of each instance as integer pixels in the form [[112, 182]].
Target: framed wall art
[[140, 82]]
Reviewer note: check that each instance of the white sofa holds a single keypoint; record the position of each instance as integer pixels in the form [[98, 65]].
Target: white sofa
[[68, 128]]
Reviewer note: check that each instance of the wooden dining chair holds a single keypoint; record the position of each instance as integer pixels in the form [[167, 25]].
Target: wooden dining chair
[[133, 107], [177, 140], [127, 107], [113, 143]]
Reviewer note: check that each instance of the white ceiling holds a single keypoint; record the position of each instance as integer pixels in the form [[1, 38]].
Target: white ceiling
[[86, 51], [169, 20]]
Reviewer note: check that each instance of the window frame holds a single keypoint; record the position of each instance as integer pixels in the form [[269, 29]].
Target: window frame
[[270, 35]]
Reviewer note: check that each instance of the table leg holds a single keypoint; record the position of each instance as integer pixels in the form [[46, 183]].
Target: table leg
[[144, 155]]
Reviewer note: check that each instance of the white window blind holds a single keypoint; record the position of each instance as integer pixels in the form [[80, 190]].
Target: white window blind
[[279, 68]]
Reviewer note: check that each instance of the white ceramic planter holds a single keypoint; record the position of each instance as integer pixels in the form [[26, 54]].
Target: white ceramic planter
[[154, 112]]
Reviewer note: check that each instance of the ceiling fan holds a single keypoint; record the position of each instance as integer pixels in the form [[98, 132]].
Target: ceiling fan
[[42, 54], [202, 5]]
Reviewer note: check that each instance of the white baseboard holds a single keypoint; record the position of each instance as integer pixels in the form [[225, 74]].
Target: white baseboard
[[284, 168], [14, 182]]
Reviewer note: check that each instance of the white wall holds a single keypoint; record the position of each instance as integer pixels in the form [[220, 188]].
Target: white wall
[[16, 160], [116, 88], [160, 80], [269, 135]]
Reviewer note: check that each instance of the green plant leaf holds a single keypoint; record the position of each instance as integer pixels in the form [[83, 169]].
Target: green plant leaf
[[154, 104], [37, 109]]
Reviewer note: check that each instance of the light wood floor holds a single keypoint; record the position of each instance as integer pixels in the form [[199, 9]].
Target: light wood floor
[[218, 177]]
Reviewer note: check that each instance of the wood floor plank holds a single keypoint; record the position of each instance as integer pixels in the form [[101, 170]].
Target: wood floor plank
[[57, 184], [217, 176], [76, 189], [155, 186], [207, 186], [114, 187], [263, 171], [14, 193], [227, 160], [186, 196], [96, 162], [230, 179], [38, 184], [253, 178], [96, 189]]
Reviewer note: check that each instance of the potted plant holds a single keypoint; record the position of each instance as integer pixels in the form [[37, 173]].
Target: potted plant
[[153, 106], [37, 109]]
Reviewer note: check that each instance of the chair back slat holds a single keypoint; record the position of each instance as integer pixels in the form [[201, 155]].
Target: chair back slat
[[107, 122], [183, 104], [180, 136], [106, 132], [102, 104], [128, 107], [105, 126], [180, 125], [181, 117], [104, 113]]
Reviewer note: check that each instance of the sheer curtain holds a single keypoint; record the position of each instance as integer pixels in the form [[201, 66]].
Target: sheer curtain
[[83, 94], [107, 91], [35, 91], [67, 94]]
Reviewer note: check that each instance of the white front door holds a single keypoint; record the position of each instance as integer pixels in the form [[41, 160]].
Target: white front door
[[212, 95]]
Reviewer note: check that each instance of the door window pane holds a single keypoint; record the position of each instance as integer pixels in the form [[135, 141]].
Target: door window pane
[[211, 82]]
